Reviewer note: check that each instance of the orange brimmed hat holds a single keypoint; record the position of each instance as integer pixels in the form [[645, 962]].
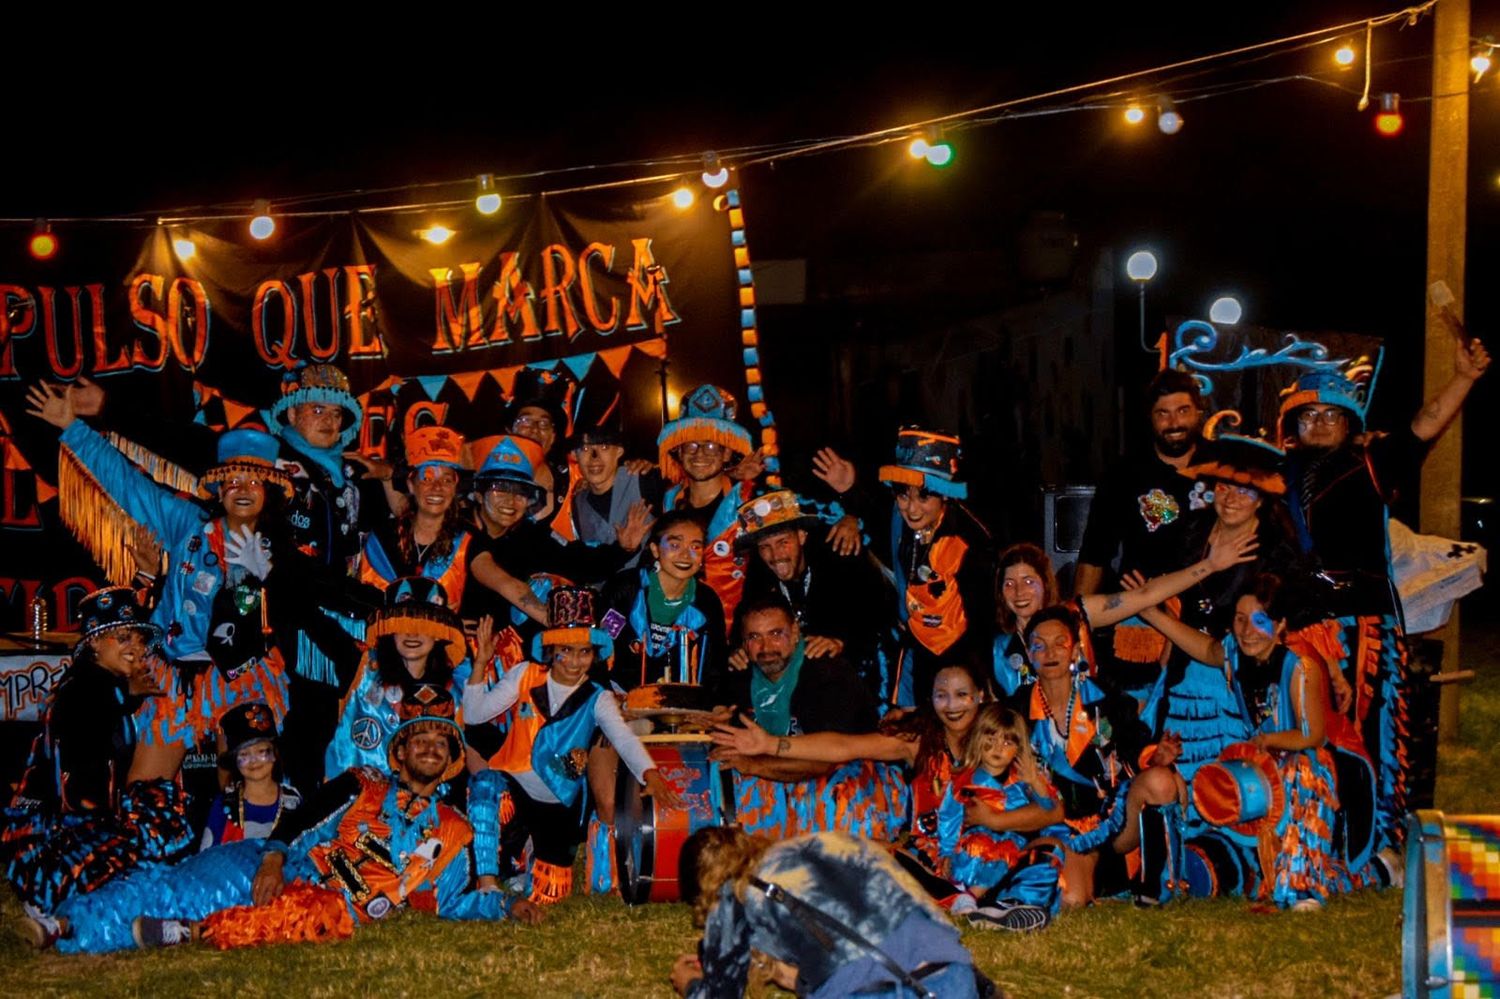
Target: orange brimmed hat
[[778, 510], [246, 451], [1241, 789], [435, 447], [416, 605], [1244, 461], [571, 611], [706, 415], [929, 459], [427, 707]]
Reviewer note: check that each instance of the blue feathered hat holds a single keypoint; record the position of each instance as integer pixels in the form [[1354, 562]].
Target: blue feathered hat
[[323, 383]]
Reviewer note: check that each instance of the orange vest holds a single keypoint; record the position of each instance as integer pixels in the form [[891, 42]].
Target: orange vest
[[935, 608]]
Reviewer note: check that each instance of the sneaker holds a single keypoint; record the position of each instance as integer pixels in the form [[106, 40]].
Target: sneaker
[[150, 931], [1010, 917], [40, 929], [1307, 905], [963, 903]]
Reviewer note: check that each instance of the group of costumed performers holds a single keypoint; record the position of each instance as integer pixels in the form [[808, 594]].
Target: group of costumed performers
[[367, 843], [534, 788], [77, 819]]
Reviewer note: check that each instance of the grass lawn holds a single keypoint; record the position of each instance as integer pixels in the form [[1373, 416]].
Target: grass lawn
[[593, 947]]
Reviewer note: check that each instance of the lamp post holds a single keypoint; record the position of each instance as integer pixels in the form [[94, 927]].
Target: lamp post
[[1141, 266]]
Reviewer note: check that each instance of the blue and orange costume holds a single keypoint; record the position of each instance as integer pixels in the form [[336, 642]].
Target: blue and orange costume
[[1006, 867]]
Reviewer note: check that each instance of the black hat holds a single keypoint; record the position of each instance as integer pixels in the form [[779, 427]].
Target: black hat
[[110, 608], [242, 725]]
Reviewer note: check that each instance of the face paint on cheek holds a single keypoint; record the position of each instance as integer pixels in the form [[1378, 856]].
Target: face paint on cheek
[[1263, 623]]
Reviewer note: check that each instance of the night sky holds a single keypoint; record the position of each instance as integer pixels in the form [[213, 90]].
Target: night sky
[[1283, 194]]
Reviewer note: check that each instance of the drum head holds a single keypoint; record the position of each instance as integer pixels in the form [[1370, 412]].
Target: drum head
[[649, 836]]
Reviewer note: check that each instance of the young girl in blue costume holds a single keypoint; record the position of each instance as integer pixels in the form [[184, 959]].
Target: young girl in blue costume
[[213, 611], [416, 640], [1282, 694], [256, 797], [991, 822]]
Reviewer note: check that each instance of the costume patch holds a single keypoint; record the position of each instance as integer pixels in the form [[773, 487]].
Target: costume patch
[[1158, 508]]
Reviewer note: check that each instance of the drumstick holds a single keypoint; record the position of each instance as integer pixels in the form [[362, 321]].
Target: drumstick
[[1441, 296]]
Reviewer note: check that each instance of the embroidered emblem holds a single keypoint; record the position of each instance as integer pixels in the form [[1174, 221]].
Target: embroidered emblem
[[1158, 508]]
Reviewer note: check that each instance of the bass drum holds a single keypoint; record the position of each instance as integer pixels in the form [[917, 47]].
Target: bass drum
[[648, 835], [1450, 934]]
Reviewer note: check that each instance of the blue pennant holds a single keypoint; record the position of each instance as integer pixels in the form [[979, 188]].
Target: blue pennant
[[579, 364], [432, 384]]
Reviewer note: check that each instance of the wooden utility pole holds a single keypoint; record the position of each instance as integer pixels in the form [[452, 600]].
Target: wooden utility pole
[[1447, 203]]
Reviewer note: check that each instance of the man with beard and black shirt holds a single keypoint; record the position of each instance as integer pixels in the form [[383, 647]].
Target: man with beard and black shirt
[[1339, 486], [833, 596]]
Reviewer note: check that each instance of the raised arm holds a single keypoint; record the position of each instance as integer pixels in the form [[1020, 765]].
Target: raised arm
[[1202, 647], [1106, 609], [1469, 362]]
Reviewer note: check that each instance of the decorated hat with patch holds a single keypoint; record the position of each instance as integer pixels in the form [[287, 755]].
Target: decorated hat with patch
[[929, 459], [243, 725], [509, 461], [246, 452], [416, 605], [1242, 461], [1242, 789], [434, 447], [570, 609], [317, 383], [427, 707], [779, 510], [706, 416], [110, 608], [1349, 390]]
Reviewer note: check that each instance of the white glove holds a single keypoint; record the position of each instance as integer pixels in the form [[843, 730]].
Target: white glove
[[249, 550]]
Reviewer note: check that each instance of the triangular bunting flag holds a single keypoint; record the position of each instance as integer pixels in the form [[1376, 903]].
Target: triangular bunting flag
[[432, 384], [15, 461], [543, 365], [614, 359], [468, 382], [44, 492], [234, 412], [653, 348], [507, 379], [579, 364]]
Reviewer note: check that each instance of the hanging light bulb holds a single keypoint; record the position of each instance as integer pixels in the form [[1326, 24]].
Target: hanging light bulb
[[184, 248], [1480, 62], [715, 174], [1344, 55], [1135, 114], [437, 235], [487, 202], [1225, 310], [939, 154], [918, 148], [261, 224], [1168, 118], [1388, 120], [43, 244], [683, 197]]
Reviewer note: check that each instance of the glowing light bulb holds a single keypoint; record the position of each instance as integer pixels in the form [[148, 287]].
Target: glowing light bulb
[[715, 174], [184, 248], [1169, 120], [1141, 265], [1226, 311], [1480, 64], [437, 235], [487, 202], [683, 197], [262, 225], [1135, 114], [918, 148], [43, 244], [1388, 121], [939, 154], [1344, 55]]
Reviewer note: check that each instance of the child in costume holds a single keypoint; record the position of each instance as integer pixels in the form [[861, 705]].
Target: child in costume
[[429, 538], [1279, 682], [256, 797], [213, 613], [366, 844], [75, 822], [554, 712], [990, 820], [835, 916], [415, 640]]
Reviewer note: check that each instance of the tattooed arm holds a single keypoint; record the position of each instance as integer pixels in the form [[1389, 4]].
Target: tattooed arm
[[1469, 363], [1106, 609]]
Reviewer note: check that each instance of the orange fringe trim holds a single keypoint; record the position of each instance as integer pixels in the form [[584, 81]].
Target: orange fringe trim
[[550, 883], [164, 472], [1139, 644], [99, 523], [301, 913]]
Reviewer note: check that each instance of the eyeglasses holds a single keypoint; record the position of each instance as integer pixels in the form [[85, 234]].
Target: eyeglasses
[[531, 423], [1330, 417], [247, 757], [711, 448], [504, 486]]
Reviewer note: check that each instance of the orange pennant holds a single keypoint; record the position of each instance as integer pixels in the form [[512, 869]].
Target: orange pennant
[[468, 382], [234, 412], [653, 348], [45, 493], [614, 359], [507, 378], [14, 460]]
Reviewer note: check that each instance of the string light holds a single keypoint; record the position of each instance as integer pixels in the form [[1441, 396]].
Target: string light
[[184, 248], [1135, 114], [1225, 310], [487, 202], [1388, 120], [1480, 61], [1168, 118], [683, 198], [939, 154], [715, 174], [43, 245], [917, 150], [262, 225], [437, 235], [1344, 55]]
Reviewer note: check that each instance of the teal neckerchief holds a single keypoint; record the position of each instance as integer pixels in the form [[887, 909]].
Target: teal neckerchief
[[661, 611], [330, 459], [770, 700]]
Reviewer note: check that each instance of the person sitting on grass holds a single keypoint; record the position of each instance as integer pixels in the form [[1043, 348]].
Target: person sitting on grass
[[832, 916], [256, 797], [367, 843]]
